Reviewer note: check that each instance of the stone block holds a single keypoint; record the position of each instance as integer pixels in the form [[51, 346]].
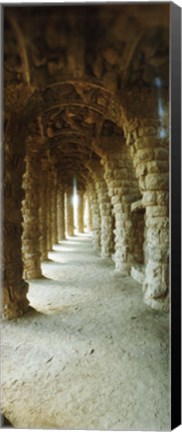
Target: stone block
[[144, 132], [121, 190], [153, 211], [142, 183], [118, 207], [157, 181], [156, 253], [115, 199], [164, 236], [145, 142], [149, 198], [161, 154], [158, 166], [153, 236], [162, 197], [158, 222], [141, 170], [143, 155]]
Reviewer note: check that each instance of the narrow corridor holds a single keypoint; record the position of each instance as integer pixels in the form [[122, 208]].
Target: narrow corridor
[[92, 355]]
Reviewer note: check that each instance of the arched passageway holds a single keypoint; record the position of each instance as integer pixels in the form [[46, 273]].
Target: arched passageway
[[86, 122]]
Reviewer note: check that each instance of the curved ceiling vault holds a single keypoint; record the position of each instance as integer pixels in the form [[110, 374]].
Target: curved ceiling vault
[[79, 60]]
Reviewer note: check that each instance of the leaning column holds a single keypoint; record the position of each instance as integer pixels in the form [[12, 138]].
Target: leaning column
[[14, 302], [31, 232], [80, 211], [69, 212], [61, 212]]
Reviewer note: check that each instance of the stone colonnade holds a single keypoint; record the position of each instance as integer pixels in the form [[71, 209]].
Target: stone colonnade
[[150, 154], [117, 182]]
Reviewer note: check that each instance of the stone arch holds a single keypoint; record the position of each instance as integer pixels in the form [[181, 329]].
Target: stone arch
[[123, 190], [76, 107]]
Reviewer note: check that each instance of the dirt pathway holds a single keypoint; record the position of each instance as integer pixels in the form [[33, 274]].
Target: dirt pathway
[[92, 355]]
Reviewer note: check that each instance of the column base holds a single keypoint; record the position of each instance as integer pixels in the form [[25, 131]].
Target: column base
[[32, 274], [158, 304], [15, 310], [123, 268]]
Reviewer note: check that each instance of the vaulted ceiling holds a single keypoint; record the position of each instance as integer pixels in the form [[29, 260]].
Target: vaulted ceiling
[[78, 67]]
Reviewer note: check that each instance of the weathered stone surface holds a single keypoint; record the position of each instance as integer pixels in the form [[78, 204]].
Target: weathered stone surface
[[14, 301], [94, 205], [30, 208], [42, 215], [61, 211], [53, 204], [124, 186], [92, 113], [69, 212], [80, 211], [157, 181], [49, 210]]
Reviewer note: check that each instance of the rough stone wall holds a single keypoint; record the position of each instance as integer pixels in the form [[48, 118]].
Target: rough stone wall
[[150, 157], [60, 211], [30, 209], [69, 212], [15, 288]]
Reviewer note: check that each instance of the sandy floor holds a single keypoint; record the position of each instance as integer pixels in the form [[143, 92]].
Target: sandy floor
[[92, 355]]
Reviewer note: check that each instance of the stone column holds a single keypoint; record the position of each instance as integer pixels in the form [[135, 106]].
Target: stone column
[[61, 212], [122, 187], [43, 214], [106, 219], [80, 211], [69, 212], [90, 223], [30, 208], [14, 301], [49, 209], [54, 228], [96, 221], [150, 155]]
